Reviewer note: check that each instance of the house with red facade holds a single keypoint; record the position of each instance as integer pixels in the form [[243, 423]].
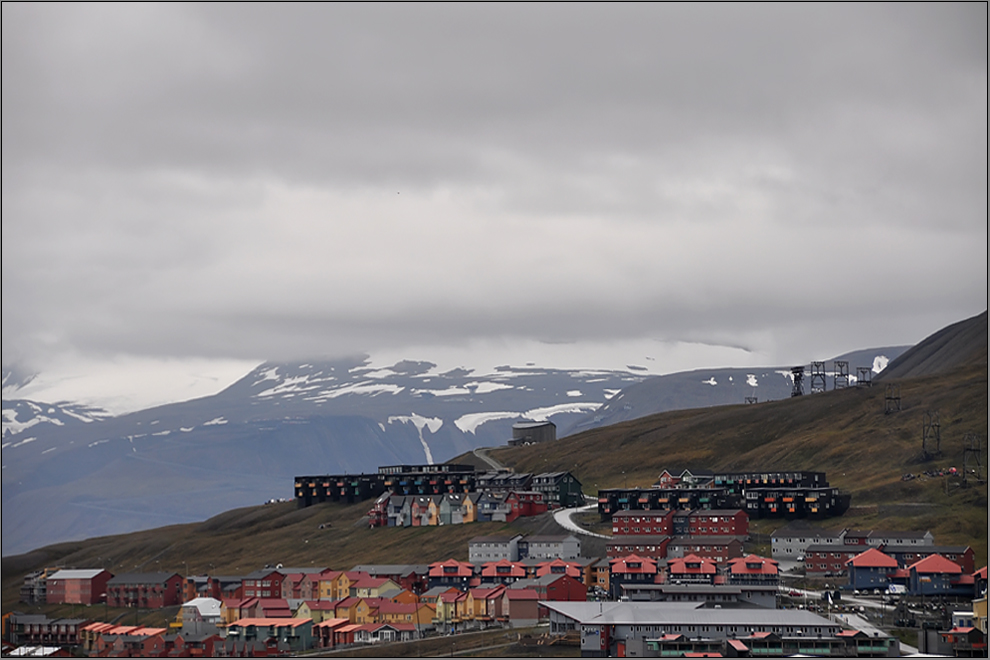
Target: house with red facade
[[719, 522], [719, 549], [145, 590], [643, 522], [830, 560], [654, 547], [84, 587], [264, 583]]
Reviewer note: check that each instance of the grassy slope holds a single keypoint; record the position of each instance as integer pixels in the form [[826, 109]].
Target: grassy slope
[[243, 540], [845, 433]]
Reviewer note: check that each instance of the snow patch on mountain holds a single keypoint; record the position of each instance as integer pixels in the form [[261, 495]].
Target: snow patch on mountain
[[711, 381], [373, 389], [880, 363], [215, 421], [470, 422], [751, 380], [786, 374], [543, 414], [450, 391], [295, 384], [486, 387], [420, 422]]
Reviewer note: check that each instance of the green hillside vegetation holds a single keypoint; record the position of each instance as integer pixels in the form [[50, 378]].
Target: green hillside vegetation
[[844, 433], [243, 540]]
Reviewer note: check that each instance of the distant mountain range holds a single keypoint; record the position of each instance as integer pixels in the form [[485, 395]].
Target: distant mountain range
[[72, 472]]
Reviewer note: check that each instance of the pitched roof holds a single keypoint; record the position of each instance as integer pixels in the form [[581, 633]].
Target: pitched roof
[[935, 564], [872, 558]]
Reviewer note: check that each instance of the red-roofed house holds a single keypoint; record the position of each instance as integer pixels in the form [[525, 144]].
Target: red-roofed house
[[479, 602], [503, 571], [933, 575], [870, 570], [631, 569], [323, 632], [560, 567], [966, 642], [753, 569], [691, 569], [451, 573]]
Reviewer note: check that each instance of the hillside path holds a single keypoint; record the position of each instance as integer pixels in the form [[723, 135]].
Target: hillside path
[[563, 518], [482, 453]]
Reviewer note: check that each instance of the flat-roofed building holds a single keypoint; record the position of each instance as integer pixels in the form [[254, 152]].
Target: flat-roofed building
[[642, 629]]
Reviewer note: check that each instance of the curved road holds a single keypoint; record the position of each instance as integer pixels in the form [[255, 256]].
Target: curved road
[[563, 518], [482, 453]]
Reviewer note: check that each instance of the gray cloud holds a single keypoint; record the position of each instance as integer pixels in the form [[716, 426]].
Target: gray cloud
[[263, 180]]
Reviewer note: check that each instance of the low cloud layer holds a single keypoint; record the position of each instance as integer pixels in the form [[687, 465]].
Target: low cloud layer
[[262, 181]]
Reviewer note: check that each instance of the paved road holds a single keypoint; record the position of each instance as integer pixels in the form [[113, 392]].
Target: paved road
[[563, 518], [482, 453]]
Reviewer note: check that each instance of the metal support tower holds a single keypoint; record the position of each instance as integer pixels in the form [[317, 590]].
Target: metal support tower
[[973, 454], [931, 439], [751, 399], [798, 387], [892, 399], [864, 377], [818, 377], [841, 375]]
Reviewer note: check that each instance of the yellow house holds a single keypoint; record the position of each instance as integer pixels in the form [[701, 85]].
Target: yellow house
[[450, 608], [329, 585], [416, 613], [365, 612], [372, 587], [469, 508], [317, 610]]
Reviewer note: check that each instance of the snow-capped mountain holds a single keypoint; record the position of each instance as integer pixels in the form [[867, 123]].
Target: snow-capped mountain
[[20, 415], [246, 443]]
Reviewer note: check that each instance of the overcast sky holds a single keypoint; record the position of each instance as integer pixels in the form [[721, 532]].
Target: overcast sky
[[703, 185]]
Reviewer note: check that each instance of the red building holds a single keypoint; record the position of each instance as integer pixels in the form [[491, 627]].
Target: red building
[[719, 549], [85, 586], [530, 502], [830, 560], [145, 590], [645, 523], [266, 583], [654, 547], [719, 522]]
